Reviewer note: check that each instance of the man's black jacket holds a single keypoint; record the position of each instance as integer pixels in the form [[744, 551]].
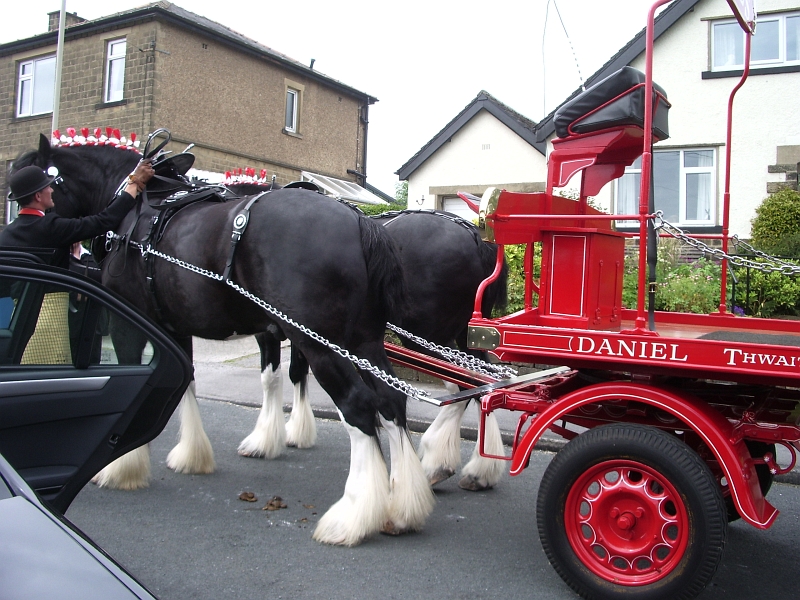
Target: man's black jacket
[[54, 231]]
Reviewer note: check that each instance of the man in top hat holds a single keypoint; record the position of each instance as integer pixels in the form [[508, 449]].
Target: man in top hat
[[35, 227]]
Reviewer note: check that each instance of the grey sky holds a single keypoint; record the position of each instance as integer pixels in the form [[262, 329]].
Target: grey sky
[[423, 60]]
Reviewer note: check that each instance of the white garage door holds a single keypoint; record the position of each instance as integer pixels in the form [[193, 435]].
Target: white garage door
[[458, 207]]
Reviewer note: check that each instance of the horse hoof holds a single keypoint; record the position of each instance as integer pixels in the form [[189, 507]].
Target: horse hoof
[[473, 484], [440, 475], [251, 453], [389, 528]]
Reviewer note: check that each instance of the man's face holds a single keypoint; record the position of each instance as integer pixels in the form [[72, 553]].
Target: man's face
[[45, 198]]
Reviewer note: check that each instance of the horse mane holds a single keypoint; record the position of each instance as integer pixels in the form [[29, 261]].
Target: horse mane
[[91, 174]]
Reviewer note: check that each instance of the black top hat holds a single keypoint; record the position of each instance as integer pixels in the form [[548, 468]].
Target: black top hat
[[27, 181]]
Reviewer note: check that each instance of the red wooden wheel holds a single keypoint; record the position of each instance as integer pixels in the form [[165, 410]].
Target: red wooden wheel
[[631, 512], [626, 522]]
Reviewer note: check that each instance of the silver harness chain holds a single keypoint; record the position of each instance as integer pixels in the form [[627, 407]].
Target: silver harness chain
[[456, 357], [773, 264], [361, 363]]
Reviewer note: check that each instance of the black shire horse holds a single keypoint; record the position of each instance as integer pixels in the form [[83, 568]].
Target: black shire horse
[[295, 251], [445, 261]]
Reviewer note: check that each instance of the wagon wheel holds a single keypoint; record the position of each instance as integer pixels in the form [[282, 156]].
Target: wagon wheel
[[757, 450], [628, 511]]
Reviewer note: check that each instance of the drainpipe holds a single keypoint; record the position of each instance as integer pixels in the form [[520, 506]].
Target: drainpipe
[[358, 174], [62, 20], [364, 116]]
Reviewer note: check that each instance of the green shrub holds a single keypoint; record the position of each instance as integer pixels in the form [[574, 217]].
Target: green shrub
[[771, 294], [681, 285], [691, 287], [379, 209], [776, 226], [515, 258]]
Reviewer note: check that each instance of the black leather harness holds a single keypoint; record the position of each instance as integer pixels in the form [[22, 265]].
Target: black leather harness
[[164, 214]]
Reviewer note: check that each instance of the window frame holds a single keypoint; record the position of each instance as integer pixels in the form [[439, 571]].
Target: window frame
[[294, 94], [31, 78], [683, 171], [111, 59], [780, 61]]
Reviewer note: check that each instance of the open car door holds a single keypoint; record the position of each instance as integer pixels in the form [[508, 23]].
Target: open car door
[[70, 400]]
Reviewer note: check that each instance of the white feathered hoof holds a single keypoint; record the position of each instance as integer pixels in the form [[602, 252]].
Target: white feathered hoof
[[389, 528], [440, 475], [130, 471], [268, 438], [440, 446], [193, 454], [482, 473], [191, 461], [362, 510], [346, 524], [411, 498], [472, 483], [301, 429], [257, 445]]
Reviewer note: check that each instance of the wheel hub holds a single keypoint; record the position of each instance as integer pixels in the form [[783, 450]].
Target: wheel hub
[[626, 522]]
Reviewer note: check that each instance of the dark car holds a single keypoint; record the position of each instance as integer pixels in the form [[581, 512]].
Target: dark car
[[68, 407]]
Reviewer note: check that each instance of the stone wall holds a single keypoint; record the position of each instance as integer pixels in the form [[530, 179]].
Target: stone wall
[[788, 163]]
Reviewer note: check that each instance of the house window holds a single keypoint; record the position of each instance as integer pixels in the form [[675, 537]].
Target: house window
[[775, 43], [115, 70], [684, 183], [292, 97], [36, 86]]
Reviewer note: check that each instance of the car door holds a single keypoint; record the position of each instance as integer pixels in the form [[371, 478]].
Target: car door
[[73, 394]]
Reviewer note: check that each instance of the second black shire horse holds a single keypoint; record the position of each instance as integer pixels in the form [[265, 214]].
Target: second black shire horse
[[445, 261], [295, 252]]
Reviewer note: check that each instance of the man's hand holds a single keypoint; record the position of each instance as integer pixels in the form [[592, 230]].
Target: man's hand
[[143, 173]]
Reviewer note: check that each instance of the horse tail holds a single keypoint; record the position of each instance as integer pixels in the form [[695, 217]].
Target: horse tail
[[496, 294], [387, 285]]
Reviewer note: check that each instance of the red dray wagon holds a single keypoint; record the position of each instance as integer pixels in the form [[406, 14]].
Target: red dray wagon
[[673, 423]]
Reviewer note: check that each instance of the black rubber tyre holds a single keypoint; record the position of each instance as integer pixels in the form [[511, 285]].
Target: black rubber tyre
[[665, 504], [757, 449]]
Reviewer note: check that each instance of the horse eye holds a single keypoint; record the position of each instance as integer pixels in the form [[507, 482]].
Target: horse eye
[[52, 171]]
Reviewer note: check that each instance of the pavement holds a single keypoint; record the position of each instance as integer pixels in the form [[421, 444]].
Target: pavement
[[220, 363], [230, 371]]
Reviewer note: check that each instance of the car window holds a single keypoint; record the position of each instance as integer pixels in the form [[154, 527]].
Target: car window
[[46, 324]]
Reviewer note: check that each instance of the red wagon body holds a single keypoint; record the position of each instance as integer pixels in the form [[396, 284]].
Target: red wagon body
[[674, 417]]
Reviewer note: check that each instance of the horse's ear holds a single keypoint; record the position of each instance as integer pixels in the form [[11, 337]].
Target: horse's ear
[[44, 147]]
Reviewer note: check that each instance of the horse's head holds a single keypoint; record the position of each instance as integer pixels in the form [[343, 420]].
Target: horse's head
[[88, 175]]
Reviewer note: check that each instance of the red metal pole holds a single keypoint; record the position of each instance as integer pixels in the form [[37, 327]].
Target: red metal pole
[[498, 266], [647, 162], [726, 197]]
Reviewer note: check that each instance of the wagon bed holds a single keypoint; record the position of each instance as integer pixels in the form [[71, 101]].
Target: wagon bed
[[718, 347]]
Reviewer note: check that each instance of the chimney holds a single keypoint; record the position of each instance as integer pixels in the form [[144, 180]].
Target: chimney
[[53, 18]]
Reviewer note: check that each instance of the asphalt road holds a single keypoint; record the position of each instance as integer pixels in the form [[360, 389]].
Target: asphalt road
[[192, 537]]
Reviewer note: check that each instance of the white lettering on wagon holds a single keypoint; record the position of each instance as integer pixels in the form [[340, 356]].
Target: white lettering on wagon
[[736, 356], [631, 349]]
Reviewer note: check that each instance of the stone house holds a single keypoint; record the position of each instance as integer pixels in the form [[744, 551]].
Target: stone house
[[239, 102]]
